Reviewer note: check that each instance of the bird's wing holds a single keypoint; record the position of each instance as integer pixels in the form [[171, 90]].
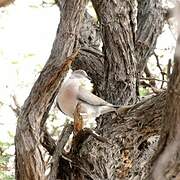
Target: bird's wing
[[89, 98]]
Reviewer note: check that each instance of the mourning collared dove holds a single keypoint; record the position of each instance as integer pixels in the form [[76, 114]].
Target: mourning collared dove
[[78, 89]]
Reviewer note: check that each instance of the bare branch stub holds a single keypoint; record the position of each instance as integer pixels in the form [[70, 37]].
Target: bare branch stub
[[81, 133], [81, 136]]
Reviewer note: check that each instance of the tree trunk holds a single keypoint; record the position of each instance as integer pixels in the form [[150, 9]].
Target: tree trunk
[[29, 161]]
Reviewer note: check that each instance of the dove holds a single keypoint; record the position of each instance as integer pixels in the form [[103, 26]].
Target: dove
[[78, 89]]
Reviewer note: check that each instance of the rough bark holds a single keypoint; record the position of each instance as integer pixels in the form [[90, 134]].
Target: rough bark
[[117, 26], [29, 161], [146, 27], [90, 32]]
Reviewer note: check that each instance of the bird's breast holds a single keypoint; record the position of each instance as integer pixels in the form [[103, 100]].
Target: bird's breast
[[67, 100]]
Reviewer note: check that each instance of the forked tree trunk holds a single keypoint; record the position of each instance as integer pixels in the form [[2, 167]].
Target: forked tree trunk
[[129, 32]]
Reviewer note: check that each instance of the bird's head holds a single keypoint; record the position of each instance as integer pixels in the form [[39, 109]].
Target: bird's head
[[83, 78]]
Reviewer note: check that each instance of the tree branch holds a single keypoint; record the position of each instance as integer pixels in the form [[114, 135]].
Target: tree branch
[[17, 108]]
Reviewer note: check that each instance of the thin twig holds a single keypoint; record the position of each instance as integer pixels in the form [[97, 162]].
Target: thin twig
[[159, 66], [17, 108]]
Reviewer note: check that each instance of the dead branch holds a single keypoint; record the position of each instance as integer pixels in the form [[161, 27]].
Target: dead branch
[[155, 90], [17, 108]]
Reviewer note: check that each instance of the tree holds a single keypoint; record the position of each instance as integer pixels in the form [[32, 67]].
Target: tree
[[129, 30]]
